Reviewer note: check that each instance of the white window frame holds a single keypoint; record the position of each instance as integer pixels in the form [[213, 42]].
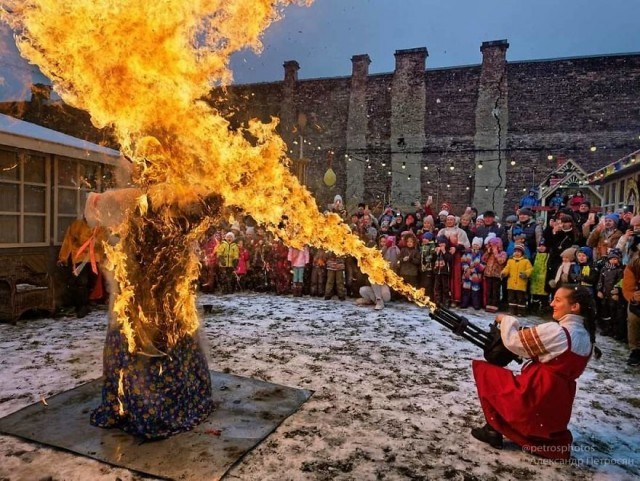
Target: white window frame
[[21, 157]]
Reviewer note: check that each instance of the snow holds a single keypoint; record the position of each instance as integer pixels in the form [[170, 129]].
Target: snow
[[394, 395], [20, 128]]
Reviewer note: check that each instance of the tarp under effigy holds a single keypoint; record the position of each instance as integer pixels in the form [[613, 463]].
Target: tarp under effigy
[[247, 411]]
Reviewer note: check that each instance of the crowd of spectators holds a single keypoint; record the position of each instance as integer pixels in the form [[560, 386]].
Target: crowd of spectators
[[463, 260]]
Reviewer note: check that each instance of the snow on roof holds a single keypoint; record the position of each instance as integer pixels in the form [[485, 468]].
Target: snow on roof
[[25, 135]]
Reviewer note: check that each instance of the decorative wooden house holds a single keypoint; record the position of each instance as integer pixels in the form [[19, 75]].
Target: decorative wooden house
[[45, 177], [618, 182], [567, 180]]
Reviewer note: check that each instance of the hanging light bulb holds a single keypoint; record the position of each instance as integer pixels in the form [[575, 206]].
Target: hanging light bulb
[[480, 165], [486, 189], [295, 142], [384, 164], [404, 165], [593, 148], [368, 166], [428, 182], [505, 189], [409, 177], [366, 159], [319, 148], [524, 189], [549, 157], [467, 188], [513, 161], [389, 172], [448, 186], [426, 167], [346, 156], [452, 167]]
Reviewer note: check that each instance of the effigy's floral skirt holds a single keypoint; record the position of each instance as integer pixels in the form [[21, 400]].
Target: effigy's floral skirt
[[159, 396]]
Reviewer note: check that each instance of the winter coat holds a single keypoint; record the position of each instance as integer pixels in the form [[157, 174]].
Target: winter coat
[[603, 240], [609, 277], [494, 263], [227, 253], [243, 262], [297, 257], [514, 269], [472, 268], [584, 274], [335, 263], [410, 266], [443, 262], [538, 280], [427, 256]]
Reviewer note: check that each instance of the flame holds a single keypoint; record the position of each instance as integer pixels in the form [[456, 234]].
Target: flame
[[121, 393], [144, 68]]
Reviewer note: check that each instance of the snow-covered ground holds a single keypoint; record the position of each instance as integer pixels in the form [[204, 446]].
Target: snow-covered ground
[[394, 395]]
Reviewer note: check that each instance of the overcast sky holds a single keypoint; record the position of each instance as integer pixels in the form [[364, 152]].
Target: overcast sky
[[324, 37]]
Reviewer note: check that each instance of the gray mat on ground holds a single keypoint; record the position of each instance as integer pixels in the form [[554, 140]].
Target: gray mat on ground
[[247, 410]]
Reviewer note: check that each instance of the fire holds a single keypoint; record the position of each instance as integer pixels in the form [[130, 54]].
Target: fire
[[121, 393], [144, 68]]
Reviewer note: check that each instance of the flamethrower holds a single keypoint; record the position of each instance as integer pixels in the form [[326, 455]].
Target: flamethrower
[[489, 341]]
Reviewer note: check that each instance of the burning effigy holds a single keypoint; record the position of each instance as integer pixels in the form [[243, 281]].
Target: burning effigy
[[143, 69]]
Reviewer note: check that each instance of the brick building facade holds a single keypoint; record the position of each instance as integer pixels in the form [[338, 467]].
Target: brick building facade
[[415, 132], [470, 135]]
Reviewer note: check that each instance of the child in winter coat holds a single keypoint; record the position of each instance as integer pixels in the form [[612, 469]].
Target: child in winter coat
[[517, 272], [427, 260], [298, 258], [409, 259], [538, 280], [583, 271], [227, 253], [335, 277], [318, 273], [391, 252], [243, 263], [610, 275], [495, 259], [561, 277], [442, 272], [472, 268]]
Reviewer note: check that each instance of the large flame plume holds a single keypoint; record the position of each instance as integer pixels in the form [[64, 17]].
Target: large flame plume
[[143, 68]]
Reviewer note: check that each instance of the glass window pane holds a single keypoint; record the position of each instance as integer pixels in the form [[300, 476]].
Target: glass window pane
[[35, 199], [34, 228], [89, 176], [108, 177], [621, 192], [63, 223], [35, 169], [9, 197], [9, 167], [67, 172], [9, 229], [67, 201]]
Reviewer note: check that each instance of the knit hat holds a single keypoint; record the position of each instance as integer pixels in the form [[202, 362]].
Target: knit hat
[[230, 236], [585, 202], [615, 252], [494, 241], [477, 241], [390, 241], [427, 236], [570, 253], [384, 223], [526, 212], [443, 213], [429, 219], [337, 198], [442, 240], [489, 213], [613, 216], [480, 217], [587, 251], [511, 219], [519, 247]]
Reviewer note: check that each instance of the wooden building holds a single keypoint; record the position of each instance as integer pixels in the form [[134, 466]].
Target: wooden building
[[45, 177], [618, 183]]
